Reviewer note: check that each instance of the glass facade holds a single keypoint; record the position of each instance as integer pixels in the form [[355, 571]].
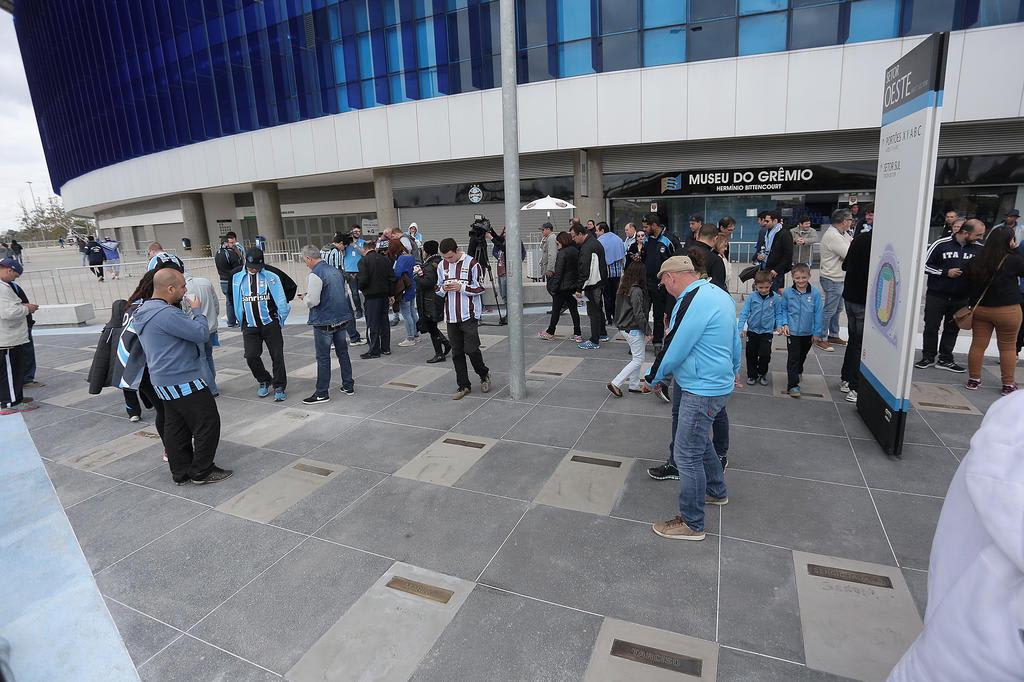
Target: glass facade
[[115, 79]]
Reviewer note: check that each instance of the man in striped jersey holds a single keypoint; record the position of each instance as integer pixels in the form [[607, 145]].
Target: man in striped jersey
[[261, 307], [460, 282], [173, 344]]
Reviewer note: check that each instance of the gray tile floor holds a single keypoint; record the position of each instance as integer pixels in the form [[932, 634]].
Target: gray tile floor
[[200, 594]]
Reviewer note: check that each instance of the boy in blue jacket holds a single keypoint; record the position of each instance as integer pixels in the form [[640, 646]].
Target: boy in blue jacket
[[261, 308], [760, 314], [800, 317]]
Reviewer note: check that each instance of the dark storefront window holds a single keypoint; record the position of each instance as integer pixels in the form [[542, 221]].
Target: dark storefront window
[[493, 192]]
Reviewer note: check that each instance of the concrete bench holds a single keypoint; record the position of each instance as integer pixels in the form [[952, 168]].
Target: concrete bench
[[64, 314]]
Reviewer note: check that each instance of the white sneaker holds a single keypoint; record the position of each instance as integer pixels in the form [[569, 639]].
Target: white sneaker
[[851, 397], [135, 418], [844, 386], [407, 343], [360, 342]]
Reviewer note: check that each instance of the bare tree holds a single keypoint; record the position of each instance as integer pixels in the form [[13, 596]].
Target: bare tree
[[48, 220]]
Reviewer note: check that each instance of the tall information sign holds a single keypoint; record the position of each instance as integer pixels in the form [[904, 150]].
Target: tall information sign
[[911, 112]]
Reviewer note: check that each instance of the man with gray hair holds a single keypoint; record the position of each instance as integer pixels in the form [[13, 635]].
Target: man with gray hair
[[330, 316], [835, 242]]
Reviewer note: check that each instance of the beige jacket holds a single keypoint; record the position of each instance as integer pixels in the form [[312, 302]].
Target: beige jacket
[[805, 253], [834, 245], [13, 314]]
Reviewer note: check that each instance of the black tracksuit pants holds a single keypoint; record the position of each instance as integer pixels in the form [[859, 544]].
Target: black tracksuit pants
[[465, 340], [253, 339], [798, 347], [191, 434], [759, 354], [12, 374]]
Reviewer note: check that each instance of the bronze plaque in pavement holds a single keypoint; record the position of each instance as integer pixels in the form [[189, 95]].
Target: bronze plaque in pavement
[[308, 468], [402, 384], [465, 443], [438, 594], [594, 460], [849, 576], [659, 658]]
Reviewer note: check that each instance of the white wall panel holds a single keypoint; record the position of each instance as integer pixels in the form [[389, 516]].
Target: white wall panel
[[403, 133], [864, 65], [576, 111], [263, 152], [245, 157], [432, 119], [538, 129], [992, 74], [228, 162], [283, 154], [214, 176], [373, 136], [761, 94], [711, 99], [348, 134], [302, 147], [812, 101], [665, 85], [618, 108], [954, 64], [465, 126], [490, 109], [325, 144], [177, 172]]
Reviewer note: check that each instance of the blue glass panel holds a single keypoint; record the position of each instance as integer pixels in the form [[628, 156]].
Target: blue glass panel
[[711, 40], [428, 83], [665, 46], [618, 16], [763, 33], [333, 22], [573, 19], [701, 10], [921, 17], [365, 56], [369, 93], [390, 11], [338, 52], [362, 17], [755, 6], [397, 87], [532, 20], [996, 12], [873, 20], [814, 27], [423, 8], [575, 59], [664, 12], [342, 97], [426, 49], [394, 44]]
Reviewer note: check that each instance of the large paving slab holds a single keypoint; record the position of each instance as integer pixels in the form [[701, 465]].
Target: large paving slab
[[445, 460], [416, 378], [627, 651], [112, 451], [940, 398], [553, 366], [278, 492], [586, 481]]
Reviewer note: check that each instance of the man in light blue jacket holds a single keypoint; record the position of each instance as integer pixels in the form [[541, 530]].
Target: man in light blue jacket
[[261, 308], [703, 358]]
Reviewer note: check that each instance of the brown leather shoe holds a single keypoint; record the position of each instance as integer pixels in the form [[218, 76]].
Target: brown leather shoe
[[676, 529], [836, 341], [461, 393], [824, 345]]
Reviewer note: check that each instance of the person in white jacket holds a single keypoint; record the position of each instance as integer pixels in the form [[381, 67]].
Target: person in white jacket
[[835, 242], [13, 340], [974, 623]]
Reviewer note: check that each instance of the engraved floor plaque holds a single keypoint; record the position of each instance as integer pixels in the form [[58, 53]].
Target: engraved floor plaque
[[553, 366], [940, 398], [779, 345], [385, 634], [488, 341], [264, 429], [586, 482], [445, 460], [416, 378], [75, 366], [857, 618], [111, 451], [627, 652], [812, 387], [279, 491]]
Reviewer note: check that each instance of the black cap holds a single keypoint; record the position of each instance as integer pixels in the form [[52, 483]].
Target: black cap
[[254, 258], [651, 219]]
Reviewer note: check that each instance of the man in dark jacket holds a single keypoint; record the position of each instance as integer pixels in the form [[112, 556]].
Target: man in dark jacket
[[703, 245], [428, 303], [654, 251], [94, 252], [856, 264], [775, 251], [947, 290], [376, 279], [228, 260], [591, 283]]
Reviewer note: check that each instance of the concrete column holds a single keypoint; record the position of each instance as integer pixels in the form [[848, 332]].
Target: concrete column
[[268, 211], [220, 209], [193, 217], [588, 187], [387, 214]]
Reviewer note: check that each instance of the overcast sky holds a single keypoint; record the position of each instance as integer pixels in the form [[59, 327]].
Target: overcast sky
[[21, 152]]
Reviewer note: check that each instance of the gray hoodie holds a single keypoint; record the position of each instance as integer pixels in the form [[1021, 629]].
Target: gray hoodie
[[172, 341]]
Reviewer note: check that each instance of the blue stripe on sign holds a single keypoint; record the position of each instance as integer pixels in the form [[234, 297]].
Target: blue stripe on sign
[[898, 404], [932, 98]]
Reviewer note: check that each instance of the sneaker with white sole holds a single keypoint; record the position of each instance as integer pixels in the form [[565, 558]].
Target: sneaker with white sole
[[666, 472], [676, 529], [844, 386], [407, 343], [357, 342], [717, 501], [851, 397], [950, 367], [316, 399], [924, 363], [135, 418]]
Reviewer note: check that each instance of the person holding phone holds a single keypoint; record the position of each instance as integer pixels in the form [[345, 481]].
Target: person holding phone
[[460, 282]]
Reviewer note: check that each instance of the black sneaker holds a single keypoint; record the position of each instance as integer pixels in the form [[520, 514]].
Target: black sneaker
[[666, 472], [369, 356], [215, 474], [950, 367], [348, 391], [725, 463], [385, 352], [316, 399], [661, 393], [924, 363]]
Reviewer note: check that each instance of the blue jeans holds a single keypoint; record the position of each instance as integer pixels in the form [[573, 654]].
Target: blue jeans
[[833, 302], [225, 287], [720, 429], [700, 470], [208, 370], [322, 340], [409, 316]]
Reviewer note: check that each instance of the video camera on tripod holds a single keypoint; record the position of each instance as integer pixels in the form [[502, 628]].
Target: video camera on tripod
[[478, 249]]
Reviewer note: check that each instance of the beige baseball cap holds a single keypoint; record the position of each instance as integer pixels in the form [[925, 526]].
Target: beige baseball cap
[[676, 264]]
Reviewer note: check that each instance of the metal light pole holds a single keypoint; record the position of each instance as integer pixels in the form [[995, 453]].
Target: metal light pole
[[32, 192], [510, 137]]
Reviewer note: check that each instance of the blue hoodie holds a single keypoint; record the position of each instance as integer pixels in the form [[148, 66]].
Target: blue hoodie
[[760, 313], [704, 355], [803, 312], [172, 341]]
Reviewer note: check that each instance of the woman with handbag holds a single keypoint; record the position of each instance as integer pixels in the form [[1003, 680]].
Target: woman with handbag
[[995, 289], [405, 289], [561, 287]]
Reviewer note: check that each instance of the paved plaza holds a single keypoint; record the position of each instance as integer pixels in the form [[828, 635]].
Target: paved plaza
[[397, 534]]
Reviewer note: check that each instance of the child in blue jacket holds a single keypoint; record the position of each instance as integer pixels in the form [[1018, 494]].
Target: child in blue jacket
[[760, 314], [800, 319]]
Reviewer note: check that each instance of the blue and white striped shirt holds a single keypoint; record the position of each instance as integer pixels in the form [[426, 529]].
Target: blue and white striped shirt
[[179, 390]]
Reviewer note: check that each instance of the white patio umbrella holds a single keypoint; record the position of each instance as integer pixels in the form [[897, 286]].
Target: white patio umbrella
[[549, 204]]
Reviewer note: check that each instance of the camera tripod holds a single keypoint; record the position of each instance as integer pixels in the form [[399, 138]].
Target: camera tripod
[[480, 255]]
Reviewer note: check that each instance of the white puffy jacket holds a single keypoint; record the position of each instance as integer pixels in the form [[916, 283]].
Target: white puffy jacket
[[974, 625], [13, 314]]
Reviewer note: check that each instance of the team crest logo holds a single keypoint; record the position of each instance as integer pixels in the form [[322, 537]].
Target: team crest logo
[[672, 184]]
